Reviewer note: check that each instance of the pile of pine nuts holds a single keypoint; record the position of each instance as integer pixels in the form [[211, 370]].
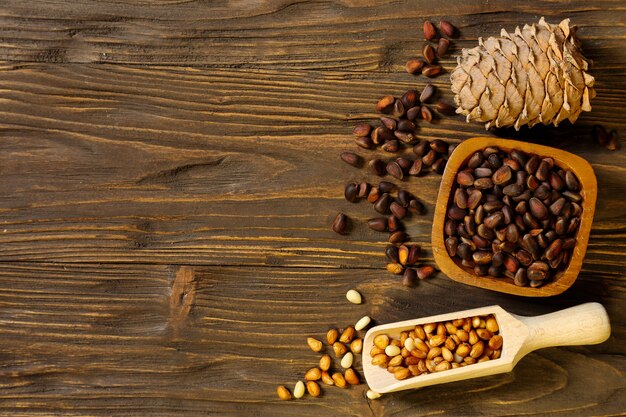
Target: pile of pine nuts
[[436, 347], [345, 347]]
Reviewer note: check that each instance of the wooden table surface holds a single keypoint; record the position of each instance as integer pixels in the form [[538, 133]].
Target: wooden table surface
[[169, 174]]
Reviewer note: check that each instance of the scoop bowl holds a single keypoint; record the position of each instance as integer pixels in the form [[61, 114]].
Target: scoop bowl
[[584, 324]]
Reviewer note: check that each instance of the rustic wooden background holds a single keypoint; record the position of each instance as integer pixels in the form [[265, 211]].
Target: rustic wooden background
[[169, 175]]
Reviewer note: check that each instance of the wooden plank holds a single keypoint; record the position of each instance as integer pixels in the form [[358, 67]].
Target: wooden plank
[[277, 34], [168, 165], [94, 339]]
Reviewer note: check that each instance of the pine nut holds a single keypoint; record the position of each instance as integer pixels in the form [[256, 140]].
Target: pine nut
[[340, 349], [314, 344], [492, 325], [409, 344], [298, 390], [283, 393], [402, 373], [419, 331], [354, 297], [356, 346], [477, 350], [347, 360], [339, 380], [347, 335], [396, 361], [376, 351], [392, 350], [325, 362], [331, 336], [442, 366], [313, 374], [362, 323], [327, 379], [381, 360], [351, 377], [372, 395], [381, 341], [495, 342], [313, 388]]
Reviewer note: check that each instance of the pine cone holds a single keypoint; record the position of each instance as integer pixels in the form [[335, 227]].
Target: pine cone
[[536, 75]]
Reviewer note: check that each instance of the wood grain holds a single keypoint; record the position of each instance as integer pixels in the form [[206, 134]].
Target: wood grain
[[347, 34], [99, 165], [94, 339], [169, 174]]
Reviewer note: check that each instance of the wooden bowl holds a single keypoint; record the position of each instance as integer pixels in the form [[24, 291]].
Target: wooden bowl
[[563, 279]]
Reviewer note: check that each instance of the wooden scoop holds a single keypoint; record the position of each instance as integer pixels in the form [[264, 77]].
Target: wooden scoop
[[586, 324]]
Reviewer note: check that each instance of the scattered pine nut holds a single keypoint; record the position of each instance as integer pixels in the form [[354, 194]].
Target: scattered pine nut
[[362, 323], [325, 362], [314, 344], [313, 388], [354, 297], [331, 336], [356, 346], [372, 395], [298, 390], [283, 393], [347, 360], [351, 377]]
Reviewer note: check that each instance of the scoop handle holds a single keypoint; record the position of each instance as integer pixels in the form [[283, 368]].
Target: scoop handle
[[585, 324]]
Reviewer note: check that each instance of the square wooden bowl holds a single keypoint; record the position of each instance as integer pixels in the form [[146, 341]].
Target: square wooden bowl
[[565, 160]]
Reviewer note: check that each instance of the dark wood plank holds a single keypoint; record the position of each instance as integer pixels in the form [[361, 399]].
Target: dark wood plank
[[94, 339], [124, 164], [275, 34]]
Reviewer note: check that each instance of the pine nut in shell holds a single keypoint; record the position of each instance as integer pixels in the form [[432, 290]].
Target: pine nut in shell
[[347, 335], [314, 344], [327, 379], [380, 360], [495, 342], [339, 349], [396, 361], [331, 336], [313, 374], [339, 380], [283, 393], [402, 373], [313, 388], [325, 362], [351, 377], [356, 346], [381, 341], [376, 351]]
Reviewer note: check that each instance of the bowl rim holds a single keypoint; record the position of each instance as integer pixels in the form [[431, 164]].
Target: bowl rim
[[579, 166]]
